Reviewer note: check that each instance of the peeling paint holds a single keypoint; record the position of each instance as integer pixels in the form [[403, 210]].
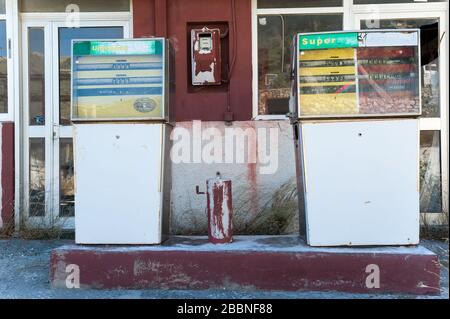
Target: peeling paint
[[190, 266], [204, 75], [206, 56], [141, 266], [220, 210]]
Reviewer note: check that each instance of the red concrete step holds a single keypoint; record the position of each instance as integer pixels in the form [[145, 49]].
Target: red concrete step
[[250, 262]]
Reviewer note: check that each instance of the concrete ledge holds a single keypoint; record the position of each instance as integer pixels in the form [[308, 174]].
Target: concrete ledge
[[250, 262]]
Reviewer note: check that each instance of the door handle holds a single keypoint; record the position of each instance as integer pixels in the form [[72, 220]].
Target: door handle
[[56, 131]]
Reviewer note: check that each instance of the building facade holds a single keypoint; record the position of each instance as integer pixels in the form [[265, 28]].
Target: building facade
[[36, 158]]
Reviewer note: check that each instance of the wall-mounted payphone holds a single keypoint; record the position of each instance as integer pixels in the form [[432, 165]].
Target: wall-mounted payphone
[[206, 56]]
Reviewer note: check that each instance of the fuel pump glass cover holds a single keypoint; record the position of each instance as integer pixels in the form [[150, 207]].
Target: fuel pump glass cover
[[119, 80], [357, 74]]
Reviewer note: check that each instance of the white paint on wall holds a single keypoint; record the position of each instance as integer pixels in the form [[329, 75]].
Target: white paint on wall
[[252, 187], [232, 145]]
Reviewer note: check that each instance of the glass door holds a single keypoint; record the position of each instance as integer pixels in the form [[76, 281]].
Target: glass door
[[37, 122], [48, 146], [433, 122], [63, 169]]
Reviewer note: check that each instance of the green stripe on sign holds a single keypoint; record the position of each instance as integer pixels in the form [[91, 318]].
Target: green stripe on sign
[[82, 48], [328, 41], [139, 47]]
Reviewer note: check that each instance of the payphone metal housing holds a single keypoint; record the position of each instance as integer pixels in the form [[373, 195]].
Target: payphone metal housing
[[206, 57]]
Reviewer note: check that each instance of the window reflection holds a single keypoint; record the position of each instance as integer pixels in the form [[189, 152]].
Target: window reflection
[[264, 4], [84, 5], [430, 172], [275, 35], [36, 76], [66, 178], [65, 41], [429, 57], [37, 177], [3, 68], [430, 164], [391, 1]]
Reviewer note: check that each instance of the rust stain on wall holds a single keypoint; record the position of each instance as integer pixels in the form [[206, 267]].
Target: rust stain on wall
[[252, 173]]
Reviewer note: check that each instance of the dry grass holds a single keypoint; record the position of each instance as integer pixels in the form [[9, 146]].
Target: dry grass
[[279, 215], [8, 226], [43, 228]]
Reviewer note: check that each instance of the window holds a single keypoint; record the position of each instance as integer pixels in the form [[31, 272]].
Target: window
[[275, 34], [3, 61], [430, 139], [6, 61], [429, 60], [66, 35], [3, 67], [37, 177], [430, 172], [298, 3], [275, 23], [36, 76], [393, 1], [84, 5]]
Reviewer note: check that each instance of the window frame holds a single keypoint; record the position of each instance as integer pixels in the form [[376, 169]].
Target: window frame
[[11, 65], [351, 14], [347, 24], [18, 20], [441, 123]]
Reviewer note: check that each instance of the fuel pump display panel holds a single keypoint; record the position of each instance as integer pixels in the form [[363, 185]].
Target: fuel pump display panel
[[118, 80], [358, 74], [328, 82]]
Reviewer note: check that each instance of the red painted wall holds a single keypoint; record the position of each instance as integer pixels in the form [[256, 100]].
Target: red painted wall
[[7, 173], [170, 18], [143, 18]]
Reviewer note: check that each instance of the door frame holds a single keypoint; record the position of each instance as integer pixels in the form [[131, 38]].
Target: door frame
[[418, 11], [35, 131], [51, 23]]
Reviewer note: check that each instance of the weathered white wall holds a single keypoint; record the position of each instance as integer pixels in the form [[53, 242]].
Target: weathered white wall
[[263, 203]]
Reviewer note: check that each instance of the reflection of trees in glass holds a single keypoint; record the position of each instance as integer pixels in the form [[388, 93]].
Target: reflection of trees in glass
[[298, 3], [3, 69], [270, 49], [64, 90], [36, 76], [430, 89], [3, 87], [430, 58], [430, 172], [65, 37], [37, 177], [66, 179], [275, 37]]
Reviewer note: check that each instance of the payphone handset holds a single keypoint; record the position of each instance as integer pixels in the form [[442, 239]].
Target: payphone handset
[[206, 56]]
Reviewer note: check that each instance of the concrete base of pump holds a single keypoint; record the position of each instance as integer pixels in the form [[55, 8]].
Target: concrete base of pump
[[250, 262]]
